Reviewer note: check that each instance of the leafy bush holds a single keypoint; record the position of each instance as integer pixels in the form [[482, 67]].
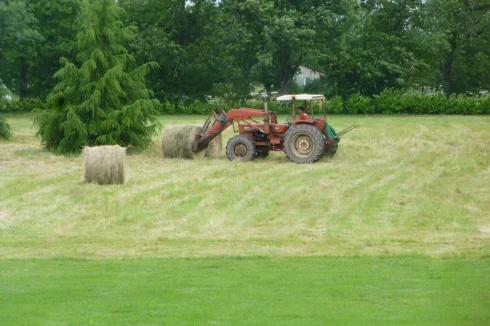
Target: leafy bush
[[166, 108], [5, 130], [459, 104], [401, 102], [389, 101], [201, 107], [485, 105], [335, 105], [359, 104]]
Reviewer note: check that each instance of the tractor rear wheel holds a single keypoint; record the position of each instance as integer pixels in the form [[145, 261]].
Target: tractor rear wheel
[[240, 148], [262, 151], [304, 144], [331, 151]]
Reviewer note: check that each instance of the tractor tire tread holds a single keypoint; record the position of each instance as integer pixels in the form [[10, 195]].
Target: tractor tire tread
[[249, 144], [317, 137]]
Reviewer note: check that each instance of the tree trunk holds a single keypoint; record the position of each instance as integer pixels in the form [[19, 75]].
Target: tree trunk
[[285, 85], [447, 70], [286, 78], [23, 79], [182, 43]]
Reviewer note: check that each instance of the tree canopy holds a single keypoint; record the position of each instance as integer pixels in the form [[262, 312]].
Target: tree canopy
[[233, 47]]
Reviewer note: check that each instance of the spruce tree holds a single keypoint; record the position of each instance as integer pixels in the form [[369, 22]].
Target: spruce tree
[[103, 101]]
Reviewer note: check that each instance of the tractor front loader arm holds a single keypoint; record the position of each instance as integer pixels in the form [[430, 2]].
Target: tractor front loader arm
[[216, 124]]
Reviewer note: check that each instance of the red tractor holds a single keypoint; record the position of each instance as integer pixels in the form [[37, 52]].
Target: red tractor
[[304, 139]]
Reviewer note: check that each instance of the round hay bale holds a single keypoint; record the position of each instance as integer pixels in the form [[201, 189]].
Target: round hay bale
[[177, 141], [105, 164], [215, 147]]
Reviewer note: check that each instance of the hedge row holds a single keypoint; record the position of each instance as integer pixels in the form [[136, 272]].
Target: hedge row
[[206, 107], [388, 102], [400, 102]]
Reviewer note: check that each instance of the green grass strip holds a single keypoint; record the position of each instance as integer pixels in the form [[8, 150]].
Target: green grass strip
[[257, 291]]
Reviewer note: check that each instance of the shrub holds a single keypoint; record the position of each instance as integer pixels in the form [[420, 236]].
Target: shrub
[[390, 101], [166, 108], [359, 104], [5, 130], [399, 102], [459, 104], [335, 105], [485, 105]]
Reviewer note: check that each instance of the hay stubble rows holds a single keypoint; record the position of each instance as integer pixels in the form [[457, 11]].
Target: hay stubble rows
[[398, 185]]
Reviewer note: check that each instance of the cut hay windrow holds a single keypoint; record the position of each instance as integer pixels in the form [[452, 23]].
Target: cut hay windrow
[[177, 142], [105, 164]]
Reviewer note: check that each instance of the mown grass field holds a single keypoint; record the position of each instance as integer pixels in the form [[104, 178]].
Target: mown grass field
[[247, 291], [399, 220]]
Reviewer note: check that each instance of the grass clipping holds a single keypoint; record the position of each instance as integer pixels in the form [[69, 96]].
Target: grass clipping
[[105, 164], [177, 142]]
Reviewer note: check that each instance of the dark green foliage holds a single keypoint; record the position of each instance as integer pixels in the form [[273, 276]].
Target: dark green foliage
[[358, 103], [400, 102], [485, 105], [19, 38], [58, 25], [335, 105], [230, 48], [5, 130], [104, 101], [389, 101], [22, 105]]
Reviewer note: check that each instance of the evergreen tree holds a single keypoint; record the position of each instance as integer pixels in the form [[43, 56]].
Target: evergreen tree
[[104, 101]]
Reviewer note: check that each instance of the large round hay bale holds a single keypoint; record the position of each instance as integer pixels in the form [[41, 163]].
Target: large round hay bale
[[177, 141], [105, 164], [215, 147]]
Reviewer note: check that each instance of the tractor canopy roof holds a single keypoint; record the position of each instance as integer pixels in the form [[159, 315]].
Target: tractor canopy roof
[[301, 97]]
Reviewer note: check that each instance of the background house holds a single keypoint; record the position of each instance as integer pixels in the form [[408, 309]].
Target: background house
[[5, 93], [306, 75]]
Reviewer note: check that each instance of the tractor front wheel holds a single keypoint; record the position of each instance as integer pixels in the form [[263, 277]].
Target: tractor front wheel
[[240, 148], [304, 144]]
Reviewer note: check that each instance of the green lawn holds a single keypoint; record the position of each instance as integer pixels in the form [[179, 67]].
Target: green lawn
[[254, 291], [395, 229]]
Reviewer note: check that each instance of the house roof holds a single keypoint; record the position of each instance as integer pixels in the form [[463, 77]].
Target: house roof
[[312, 70], [301, 97]]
